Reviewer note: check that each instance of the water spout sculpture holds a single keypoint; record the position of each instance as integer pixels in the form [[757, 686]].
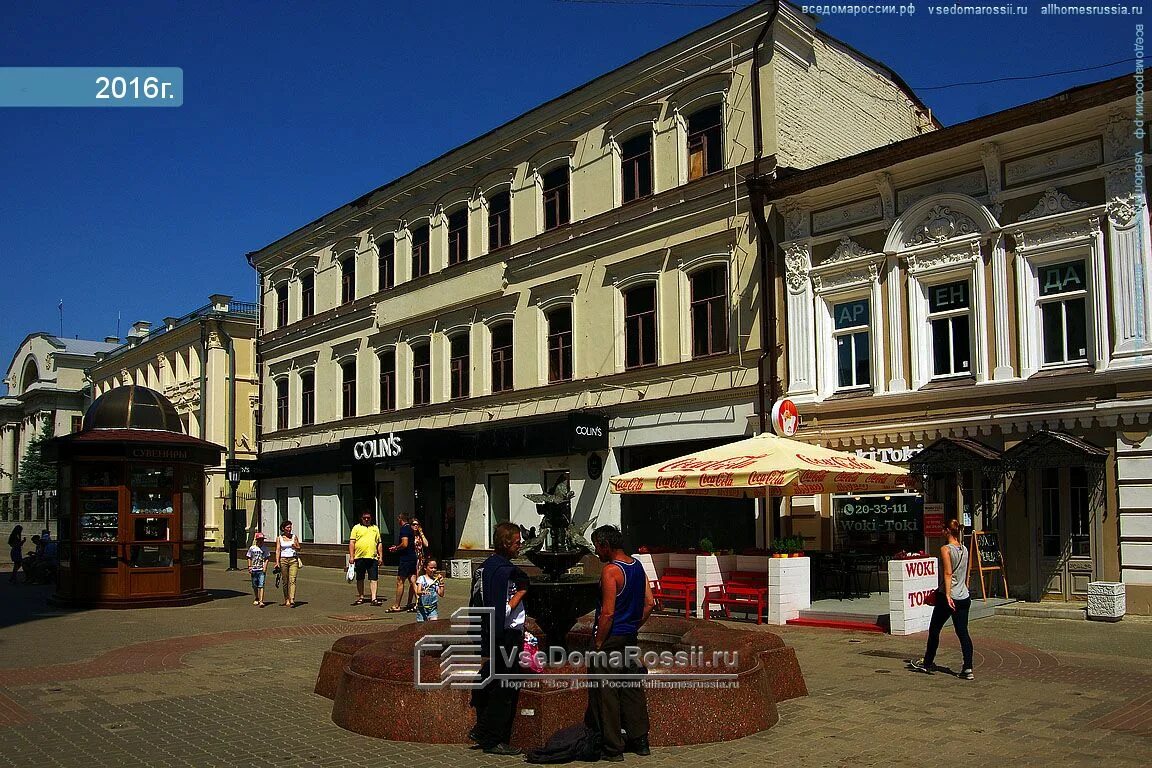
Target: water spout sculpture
[[556, 599]]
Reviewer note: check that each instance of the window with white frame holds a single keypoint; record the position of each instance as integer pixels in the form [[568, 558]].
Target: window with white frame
[[640, 326], [348, 279], [499, 220], [950, 319], [557, 205], [348, 388], [852, 336], [420, 251], [282, 403], [387, 380], [636, 167], [307, 398], [1063, 300], [421, 374], [502, 357], [282, 305], [559, 339], [386, 263], [458, 236], [709, 310], [307, 294], [459, 365]]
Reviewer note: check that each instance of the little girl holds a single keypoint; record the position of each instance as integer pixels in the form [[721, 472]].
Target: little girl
[[430, 587], [257, 568]]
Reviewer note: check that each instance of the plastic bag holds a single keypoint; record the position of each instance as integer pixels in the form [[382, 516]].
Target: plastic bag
[[351, 572]]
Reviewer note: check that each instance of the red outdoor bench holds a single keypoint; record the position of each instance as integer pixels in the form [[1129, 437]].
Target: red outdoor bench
[[675, 585], [741, 589]]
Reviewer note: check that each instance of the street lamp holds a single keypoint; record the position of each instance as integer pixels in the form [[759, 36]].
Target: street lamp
[[232, 473]]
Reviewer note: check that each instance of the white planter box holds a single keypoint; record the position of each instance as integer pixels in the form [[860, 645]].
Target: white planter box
[[1107, 600], [753, 563], [678, 560], [460, 569], [654, 565], [789, 588], [909, 584]]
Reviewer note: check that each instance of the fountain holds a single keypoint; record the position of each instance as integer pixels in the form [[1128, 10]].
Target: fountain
[[556, 598]]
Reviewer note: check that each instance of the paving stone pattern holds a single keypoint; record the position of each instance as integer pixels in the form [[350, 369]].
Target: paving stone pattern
[[227, 684]]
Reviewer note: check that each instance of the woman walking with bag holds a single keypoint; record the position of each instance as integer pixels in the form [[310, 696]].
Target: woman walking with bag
[[952, 602], [16, 546], [288, 561]]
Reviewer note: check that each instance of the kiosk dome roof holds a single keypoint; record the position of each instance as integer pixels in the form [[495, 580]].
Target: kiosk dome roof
[[133, 407]]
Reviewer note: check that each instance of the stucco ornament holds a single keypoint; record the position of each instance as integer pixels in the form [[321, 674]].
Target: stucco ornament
[[796, 266], [1053, 201], [941, 223]]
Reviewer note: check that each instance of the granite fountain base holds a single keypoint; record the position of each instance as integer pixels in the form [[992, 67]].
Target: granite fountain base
[[369, 677]]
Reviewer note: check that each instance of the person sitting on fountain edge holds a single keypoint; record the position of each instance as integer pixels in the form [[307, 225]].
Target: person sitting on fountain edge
[[500, 585], [625, 604]]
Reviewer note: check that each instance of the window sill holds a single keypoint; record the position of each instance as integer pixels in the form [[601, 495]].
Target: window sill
[[949, 383], [1062, 370], [852, 394]]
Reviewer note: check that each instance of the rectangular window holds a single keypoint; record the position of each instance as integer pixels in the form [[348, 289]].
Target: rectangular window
[[386, 264], [282, 305], [853, 349], [1081, 518], [348, 280], [502, 357], [420, 251], [77, 424], [458, 236], [640, 326], [499, 506], [421, 375], [348, 389], [499, 221], [282, 404], [307, 294], [1063, 310], [709, 311], [347, 512], [307, 514], [560, 344], [1050, 511], [281, 507], [459, 365], [307, 398], [948, 314], [705, 142], [636, 167], [556, 194], [387, 381]]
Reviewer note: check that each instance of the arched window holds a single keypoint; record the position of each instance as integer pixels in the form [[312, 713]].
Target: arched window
[[499, 220], [282, 403], [307, 398], [560, 344], [458, 236], [307, 294], [705, 142], [282, 304], [348, 388], [348, 279], [502, 357], [709, 311], [557, 203], [421, 374], [386, 264], [387, 381], [420, 251], [459, 365], [636, 167], [640, 326]]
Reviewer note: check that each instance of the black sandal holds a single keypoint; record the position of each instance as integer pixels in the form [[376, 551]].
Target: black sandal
[[359, 601]]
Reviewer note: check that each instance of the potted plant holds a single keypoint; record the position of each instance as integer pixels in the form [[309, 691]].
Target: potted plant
[[706, 546]]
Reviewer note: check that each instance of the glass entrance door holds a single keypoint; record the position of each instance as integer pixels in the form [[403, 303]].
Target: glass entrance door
[[1065, 534]]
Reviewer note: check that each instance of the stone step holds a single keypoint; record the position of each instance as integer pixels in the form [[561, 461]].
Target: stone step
[[1043, 610]]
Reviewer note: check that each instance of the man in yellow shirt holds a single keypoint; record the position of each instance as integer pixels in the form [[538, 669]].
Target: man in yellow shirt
[[366, 551]]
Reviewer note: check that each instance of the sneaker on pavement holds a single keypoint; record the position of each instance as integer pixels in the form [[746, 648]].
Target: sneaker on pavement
[[966, 674], [918, 665]]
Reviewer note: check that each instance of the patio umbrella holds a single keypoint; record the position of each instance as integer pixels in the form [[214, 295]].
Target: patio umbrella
[[765, 465]]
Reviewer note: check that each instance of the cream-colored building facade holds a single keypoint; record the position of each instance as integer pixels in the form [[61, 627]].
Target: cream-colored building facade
[[205, 364], [572, 293], [46, 383], [987, 285]]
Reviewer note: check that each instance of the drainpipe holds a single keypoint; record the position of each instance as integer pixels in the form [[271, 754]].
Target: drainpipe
[[768, 252], [230, 347], [203, 375]]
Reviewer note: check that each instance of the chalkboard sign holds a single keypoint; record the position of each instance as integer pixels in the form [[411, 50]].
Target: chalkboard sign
[[986, 556], [988, 543]]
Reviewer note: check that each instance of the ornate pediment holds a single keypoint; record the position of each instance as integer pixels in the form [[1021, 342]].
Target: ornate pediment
[[847, 250], [1053, 201], [942, 223]]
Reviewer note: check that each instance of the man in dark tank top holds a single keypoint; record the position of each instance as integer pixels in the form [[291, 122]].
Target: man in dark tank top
[[625, 603]]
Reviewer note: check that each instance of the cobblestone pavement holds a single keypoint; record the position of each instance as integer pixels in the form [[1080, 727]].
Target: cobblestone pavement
[[225, 684]]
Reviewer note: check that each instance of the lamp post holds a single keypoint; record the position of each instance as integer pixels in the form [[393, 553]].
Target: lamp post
[[232, 473]]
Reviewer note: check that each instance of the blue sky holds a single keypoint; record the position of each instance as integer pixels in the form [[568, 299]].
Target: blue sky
[[294, 108]]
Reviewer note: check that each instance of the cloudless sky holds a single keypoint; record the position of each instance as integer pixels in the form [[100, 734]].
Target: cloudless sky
[[293, 108]]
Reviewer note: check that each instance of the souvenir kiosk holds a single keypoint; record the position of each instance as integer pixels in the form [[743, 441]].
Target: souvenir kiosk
[[131, 514]]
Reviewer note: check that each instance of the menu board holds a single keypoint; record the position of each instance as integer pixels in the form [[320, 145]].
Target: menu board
[[988, 544]]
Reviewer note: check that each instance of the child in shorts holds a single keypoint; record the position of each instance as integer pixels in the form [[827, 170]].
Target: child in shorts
[[258, 568], [430, 588]]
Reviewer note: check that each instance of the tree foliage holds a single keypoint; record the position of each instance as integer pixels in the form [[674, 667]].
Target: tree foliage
[[35, 473]]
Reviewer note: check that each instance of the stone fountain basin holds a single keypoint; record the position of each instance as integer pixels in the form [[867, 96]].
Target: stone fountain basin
[[369, 678]]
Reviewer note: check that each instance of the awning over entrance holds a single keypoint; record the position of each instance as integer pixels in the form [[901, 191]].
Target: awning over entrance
[[1052, 449], [955, 454]]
